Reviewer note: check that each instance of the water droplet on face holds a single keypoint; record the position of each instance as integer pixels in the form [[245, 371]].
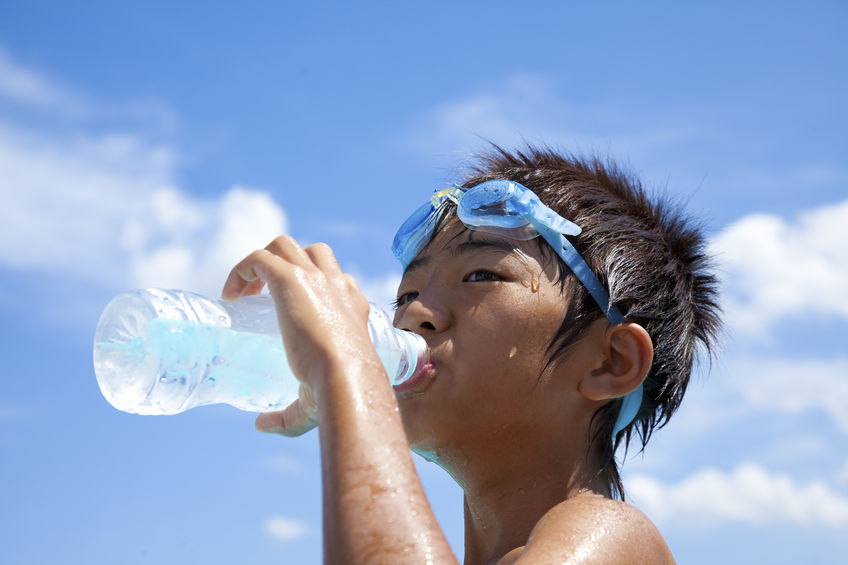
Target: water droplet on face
[[534, 284], [512, 352]]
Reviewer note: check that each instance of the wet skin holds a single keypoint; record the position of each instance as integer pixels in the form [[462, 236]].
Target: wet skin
[[510, 429], [488, 310]]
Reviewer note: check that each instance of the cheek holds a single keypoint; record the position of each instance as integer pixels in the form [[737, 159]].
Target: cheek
[[524, 349], [532, 328]]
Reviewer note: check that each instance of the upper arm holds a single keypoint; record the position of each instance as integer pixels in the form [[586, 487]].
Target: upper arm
[[597, 531]]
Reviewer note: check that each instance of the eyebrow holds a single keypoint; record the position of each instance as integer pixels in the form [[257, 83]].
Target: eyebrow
[[463, 248], [416, 263]]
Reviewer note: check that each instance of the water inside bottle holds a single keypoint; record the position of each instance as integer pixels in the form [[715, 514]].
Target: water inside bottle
[[168, 364], [195, 364]]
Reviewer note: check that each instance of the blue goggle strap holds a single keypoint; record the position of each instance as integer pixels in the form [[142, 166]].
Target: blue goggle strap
[[581, 270], [630, 405], [632, 401]]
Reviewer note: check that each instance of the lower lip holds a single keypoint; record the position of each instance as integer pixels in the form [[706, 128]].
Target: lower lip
[[418, 381]]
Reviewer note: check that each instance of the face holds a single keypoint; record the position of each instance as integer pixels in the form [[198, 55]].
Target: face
[[488, 308]]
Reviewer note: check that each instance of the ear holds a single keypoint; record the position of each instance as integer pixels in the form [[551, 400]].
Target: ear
[[626, 356]]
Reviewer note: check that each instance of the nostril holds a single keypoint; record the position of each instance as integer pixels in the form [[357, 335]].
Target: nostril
[[427, 326]]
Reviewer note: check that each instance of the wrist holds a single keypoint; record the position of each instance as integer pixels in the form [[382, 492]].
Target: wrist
[[350, 373]]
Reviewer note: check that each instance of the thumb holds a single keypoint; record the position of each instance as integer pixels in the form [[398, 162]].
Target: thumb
[[296, 419]]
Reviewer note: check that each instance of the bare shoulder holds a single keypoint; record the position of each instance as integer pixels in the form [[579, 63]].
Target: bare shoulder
[[593, 529]]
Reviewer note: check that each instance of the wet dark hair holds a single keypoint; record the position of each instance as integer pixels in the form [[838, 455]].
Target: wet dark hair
[[649, 256]]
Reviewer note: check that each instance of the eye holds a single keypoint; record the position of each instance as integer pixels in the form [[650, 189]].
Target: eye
[[404, 299], [482, 276]]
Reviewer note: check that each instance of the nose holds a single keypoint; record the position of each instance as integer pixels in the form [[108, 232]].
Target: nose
[[423, 317]]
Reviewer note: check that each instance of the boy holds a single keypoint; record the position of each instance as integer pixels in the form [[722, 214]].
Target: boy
[[549, 347]]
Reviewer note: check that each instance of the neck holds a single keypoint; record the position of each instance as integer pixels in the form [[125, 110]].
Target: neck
[[504, 501]]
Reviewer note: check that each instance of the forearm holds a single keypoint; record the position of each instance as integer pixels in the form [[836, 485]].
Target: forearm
[[375, 509]]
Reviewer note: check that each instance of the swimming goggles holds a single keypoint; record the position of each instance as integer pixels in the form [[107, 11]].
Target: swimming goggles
[[508, 209]]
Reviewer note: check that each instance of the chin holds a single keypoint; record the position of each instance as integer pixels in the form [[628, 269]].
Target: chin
[[426, 438], [421, 444]]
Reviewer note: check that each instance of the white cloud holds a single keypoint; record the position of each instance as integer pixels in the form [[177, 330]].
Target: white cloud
[[104, 209], [495, 115], [748, 494], [184, 242], [527, 107], [774, 268], [285, 529], [794, 385], [31, 88], [790, 179]]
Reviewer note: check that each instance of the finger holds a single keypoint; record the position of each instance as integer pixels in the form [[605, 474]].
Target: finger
[[288, 248], [291, 422], [296, 419], [322, 256], [248, 275], [254, 287]]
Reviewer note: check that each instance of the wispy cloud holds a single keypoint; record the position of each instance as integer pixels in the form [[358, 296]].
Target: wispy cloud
[[36, 93], [105, 207], [285, 529], [792, 386], [748, 494], [31, 88], [775, 268], [285, 464], [529, 107], [791, 179], [731, 408], [198, 254]]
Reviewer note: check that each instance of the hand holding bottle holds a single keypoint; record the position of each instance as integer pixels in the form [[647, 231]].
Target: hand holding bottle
[[322, 316], [159, 351]]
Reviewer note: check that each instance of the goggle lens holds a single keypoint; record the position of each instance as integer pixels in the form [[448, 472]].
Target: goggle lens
[[498, 207], [414, 234]]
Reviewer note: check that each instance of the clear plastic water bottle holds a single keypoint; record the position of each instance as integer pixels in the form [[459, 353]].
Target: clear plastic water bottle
[[164, 351]]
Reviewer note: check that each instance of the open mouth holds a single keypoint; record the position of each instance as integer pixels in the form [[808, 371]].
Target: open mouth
[[419, 380]]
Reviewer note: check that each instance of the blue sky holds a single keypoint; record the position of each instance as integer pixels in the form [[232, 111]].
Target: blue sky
[[154, 144]]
